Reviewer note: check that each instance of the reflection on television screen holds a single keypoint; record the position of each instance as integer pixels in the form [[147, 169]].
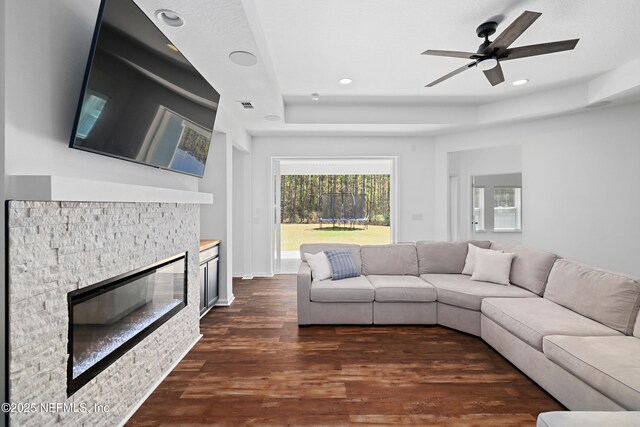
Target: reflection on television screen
[[143, 100]]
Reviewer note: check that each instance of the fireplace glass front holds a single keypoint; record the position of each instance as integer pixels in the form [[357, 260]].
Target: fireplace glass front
[[111, 317]]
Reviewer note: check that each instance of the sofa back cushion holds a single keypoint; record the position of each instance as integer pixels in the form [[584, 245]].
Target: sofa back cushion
[[401, 259], [314, 248], [445, 257], [530, 268], [609, 298]]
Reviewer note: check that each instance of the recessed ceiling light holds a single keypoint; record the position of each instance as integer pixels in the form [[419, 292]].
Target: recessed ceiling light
[[599, 104], [520, 82], [346, 81], [245, 59], [172, 47], [272, 118], [170, 18], [315, 96]]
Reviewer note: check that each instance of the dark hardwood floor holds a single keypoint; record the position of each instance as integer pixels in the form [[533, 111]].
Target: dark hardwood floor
[[254, 366]]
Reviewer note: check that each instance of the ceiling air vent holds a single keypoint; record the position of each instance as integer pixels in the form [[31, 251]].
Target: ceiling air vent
[[247, 105]]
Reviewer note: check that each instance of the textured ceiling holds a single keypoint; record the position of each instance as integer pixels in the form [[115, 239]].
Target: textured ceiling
[[306, 46], [378, 43], [129, 21]]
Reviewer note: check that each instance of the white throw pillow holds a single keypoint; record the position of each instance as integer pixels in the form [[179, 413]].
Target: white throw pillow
[[320, 267], [492, 266], [470, 262]]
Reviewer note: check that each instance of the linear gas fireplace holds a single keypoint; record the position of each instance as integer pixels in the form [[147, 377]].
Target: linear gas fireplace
[[111, 317]]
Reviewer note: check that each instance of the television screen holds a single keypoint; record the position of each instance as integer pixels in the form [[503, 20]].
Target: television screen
[[141, 99]]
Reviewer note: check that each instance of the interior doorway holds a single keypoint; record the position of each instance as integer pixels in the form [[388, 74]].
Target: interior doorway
[[337, 200], [496, 207], [485, 194]]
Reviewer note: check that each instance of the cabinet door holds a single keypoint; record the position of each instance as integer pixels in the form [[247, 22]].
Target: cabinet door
[[203, 287], [212, 282]]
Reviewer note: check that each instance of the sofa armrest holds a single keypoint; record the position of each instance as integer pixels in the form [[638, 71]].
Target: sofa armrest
[[304, 293]]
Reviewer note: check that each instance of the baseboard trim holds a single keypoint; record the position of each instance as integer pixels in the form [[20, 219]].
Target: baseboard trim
[[157, 383], [263, 274], [225, 303], [206, 311]]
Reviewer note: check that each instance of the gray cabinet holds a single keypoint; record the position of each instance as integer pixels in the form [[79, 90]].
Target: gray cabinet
[[208, 278], [203, 287], [212, 282]]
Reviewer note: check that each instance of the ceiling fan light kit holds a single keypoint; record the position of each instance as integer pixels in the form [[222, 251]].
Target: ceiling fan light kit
[[487, 64], [491, 53]]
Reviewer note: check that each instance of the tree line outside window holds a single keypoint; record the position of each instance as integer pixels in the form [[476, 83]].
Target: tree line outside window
[[300, 200]]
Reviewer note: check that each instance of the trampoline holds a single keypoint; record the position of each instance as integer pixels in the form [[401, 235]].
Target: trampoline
[[343, 209]]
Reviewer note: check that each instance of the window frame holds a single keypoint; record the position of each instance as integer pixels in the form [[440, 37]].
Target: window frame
[[480, 227], [517, 207]]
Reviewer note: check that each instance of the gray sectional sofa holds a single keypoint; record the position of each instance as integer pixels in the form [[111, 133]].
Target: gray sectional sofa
[[572, 328]]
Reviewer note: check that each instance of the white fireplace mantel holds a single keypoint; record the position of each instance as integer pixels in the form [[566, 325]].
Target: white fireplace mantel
[[62, 188]]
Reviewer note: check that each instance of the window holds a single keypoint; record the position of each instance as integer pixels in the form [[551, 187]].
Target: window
[[176, 142], [91, 109], [478, 208], [507, 210]]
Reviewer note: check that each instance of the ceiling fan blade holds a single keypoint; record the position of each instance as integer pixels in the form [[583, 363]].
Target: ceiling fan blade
[[513, 31], [538, 49], [494, 75], [449, 53], [451, 74]]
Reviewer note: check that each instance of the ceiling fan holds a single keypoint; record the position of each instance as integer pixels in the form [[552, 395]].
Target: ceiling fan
[[491, 53]]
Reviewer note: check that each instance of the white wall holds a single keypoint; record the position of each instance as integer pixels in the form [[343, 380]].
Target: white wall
[[216, 220], [47, 45], [581, 183], [414, 182], [241, 213], [238, 208]]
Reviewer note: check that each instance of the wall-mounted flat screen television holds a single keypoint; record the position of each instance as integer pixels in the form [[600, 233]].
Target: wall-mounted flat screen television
[[141, 99]]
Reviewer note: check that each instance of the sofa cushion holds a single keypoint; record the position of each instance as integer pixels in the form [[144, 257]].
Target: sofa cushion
[[461, 291], [530, 268], [532, 319], [588, 419], [402, 289], [608, 364], [636, 330], [314, 248], [610, 298], [389, 259], [445, 257], [354, 289]]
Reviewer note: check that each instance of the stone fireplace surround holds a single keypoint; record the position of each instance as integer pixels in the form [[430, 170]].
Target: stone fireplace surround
[[58, 247]]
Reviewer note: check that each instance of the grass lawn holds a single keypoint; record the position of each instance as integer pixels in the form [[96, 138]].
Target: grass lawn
[[293, 235]]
